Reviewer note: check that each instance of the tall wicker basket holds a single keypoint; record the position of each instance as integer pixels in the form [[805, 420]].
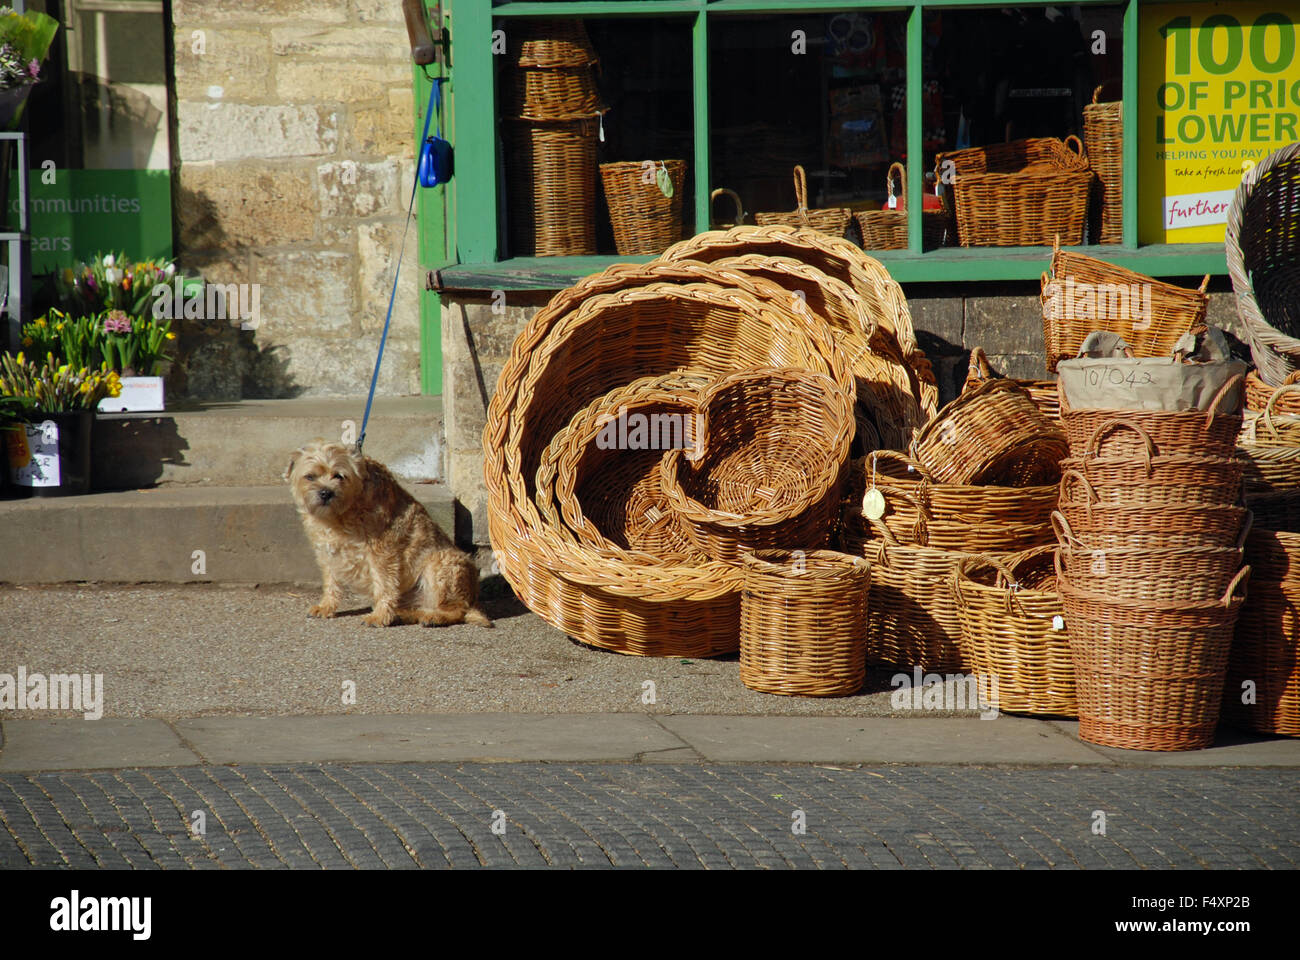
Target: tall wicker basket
[[551, 178], [1103, 139], [645, 219]]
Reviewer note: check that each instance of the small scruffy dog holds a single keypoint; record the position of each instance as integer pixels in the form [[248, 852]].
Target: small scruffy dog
[[372, 536]]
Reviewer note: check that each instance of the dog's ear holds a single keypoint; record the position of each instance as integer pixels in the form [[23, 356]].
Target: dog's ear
[[293, 462]]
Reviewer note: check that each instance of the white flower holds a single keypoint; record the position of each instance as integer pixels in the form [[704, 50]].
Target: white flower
[[108, 260], [171, 269], [112, 276]]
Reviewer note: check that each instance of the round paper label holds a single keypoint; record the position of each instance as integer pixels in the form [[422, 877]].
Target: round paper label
[[873, 504]]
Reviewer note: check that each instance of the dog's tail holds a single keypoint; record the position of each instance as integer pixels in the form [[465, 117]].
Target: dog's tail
[[476, 616], [445, 615]]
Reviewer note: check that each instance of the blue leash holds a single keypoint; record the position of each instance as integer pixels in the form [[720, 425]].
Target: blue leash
[[435, 104]]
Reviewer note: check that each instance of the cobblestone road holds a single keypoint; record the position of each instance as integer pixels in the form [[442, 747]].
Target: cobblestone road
[[631, 815]]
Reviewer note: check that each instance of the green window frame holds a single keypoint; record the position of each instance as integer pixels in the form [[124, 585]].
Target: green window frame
[[472, 230]]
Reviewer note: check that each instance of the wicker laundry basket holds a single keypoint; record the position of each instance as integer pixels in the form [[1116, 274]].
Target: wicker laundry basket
[[645, 219], [1103, 139]]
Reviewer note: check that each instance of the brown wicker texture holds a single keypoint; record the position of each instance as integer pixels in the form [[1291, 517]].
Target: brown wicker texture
[[601, 472], [1150, 676], [886, 229], [561, 93], [887, 411], [550, 43], [644, 220], [608, 330], [1152, 526], [770, 471], [551, 180], [1259, 393], [1203, 433], [1263, 250], [1012, 632], [738, 209], [889, 319], [1018, 194], [1103, 139], [921, 513], [1266, 652], [992, 434], [1154, 576], [1147, 478], [1267, 470], [803, 623], [911, 613], [1083, 294], [1044, 393], [831, 220]]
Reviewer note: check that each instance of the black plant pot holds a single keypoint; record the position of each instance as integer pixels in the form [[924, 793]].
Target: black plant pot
[[63, 452]]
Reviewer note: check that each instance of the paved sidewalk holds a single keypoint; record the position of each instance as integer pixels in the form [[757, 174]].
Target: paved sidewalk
[[631, 815]]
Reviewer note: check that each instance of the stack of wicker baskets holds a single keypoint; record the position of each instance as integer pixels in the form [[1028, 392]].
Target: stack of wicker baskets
[[1150, 570], [641, 545], [552, 111]]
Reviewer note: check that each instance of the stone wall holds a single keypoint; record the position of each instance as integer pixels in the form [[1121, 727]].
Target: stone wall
[[1005, 319], [293, 152]]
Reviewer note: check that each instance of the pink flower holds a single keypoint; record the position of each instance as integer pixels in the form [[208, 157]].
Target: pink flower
[[117, 322], [34, 68]]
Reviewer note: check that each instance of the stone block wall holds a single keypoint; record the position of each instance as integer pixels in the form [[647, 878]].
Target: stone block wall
[[1005, 319], [293, 149]]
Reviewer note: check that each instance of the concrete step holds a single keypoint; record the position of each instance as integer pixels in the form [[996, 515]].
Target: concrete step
[[248, 443], [249, 534]]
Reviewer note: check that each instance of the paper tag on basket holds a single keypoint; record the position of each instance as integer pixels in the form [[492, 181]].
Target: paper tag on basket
[[1058, 622], [873, 504], [664, 180], [893, 202]]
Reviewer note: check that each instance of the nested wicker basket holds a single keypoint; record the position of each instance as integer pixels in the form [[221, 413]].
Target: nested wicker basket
[[1103, 139], [1101, 526], [551, 43], [1151, 576], [599, 477], [1199, 433], [608, 330], [992, 434], [887, 412], [1018, 194], [770, 471], [922, 513], [886, 229], [1083, 294], [1149, 676], [559, 93], [831, 220], [1012, 631], [1259, 393], [1044, 393], [1263, 250], [1266, 647], [645, 220], [890, 328], [803, 621], [551, 179], [911, 613]]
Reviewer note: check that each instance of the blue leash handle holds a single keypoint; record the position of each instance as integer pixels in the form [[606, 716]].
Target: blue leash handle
[[434, 103]]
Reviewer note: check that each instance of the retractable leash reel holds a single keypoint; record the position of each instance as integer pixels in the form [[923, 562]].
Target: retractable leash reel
[[434, 169]]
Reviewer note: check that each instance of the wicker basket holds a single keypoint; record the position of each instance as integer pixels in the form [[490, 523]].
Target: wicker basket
[[887, 229], [803, 623], [1044, 393], [1083, 294], [890, 319], [567, 93], [1147, 478], [888, 413], [1263, 249], [551, 43], [608, 494], [832, 220], [653, 319], [1268, 470], [644, 220], [1018, 194], [1259, 393], [1151, 576], [1196, 433], [1103, 139], [1086, 527], [551, 178], [738, 216], [911, 613], [918, 512], [992, 434], [770, 472], [1150, 676], [1012, 632]]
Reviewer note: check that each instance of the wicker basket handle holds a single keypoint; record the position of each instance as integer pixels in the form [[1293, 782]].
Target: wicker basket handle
[[1064, 533], [1090, 492], [1239, 581], [1077, 143], [801, 192], [901, 196], [1272, 402], [979, 365], [1096, 94], [1224, 390], [735, 199], [1205, 283], [1094, 445]]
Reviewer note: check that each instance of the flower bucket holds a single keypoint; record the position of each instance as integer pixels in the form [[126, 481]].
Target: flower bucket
[[12, 101], [139, 395], [50, 457]]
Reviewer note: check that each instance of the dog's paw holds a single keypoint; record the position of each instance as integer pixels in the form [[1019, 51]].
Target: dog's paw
[[323, 610], [379, 618]]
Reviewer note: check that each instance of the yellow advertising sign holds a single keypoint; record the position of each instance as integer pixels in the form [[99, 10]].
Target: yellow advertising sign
[[1218, 89]]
